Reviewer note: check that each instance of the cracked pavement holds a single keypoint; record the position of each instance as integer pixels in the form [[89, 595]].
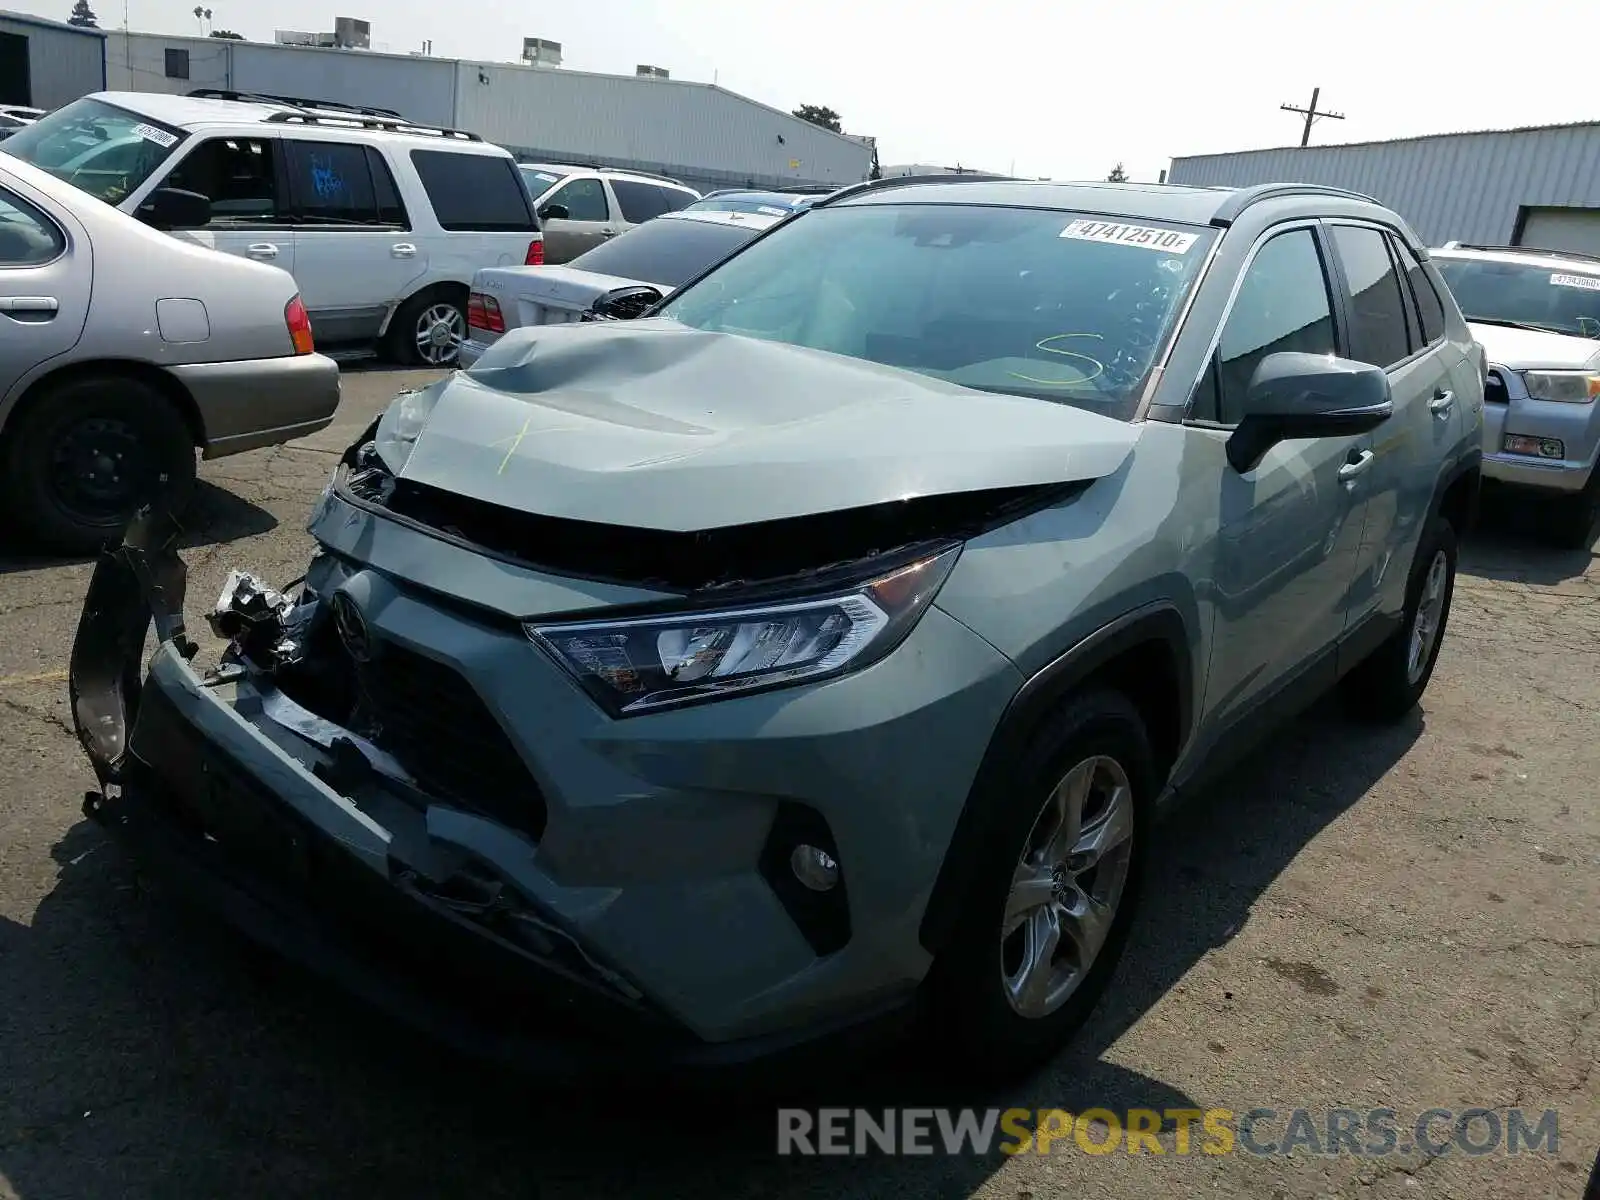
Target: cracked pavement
[[1400, 918]]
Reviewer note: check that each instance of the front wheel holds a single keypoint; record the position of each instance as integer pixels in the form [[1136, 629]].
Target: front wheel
[[1054, 892], [428, 331], [1388, 684], [1576, 516], [82, 460]]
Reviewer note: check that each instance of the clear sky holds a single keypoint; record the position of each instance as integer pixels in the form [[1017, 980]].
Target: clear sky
[[1029, 86]]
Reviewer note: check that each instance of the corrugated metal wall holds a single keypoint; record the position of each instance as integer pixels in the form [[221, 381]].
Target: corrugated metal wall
[[137, 62], [421, 88], [62, 63], [677, 128], [1467, 187]]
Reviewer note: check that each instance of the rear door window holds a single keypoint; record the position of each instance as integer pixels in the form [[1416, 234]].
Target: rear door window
[[639, 201], [481, 193], [28, 238], [239, 176], [1378, 328], [677, 198], [331, 183]]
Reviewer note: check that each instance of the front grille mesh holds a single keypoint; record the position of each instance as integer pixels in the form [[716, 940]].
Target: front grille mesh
[[440, 730]]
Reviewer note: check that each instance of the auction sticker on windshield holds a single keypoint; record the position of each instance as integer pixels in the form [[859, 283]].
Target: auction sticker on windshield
[[159, 136], [1145, 236], [1591, 282]]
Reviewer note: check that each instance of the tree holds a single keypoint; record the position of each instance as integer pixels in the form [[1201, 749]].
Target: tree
[[1118, 175], [229, 34], [83, 16], [818, 115]]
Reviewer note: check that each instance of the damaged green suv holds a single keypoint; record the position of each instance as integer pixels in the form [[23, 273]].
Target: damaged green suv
[[816, 650]]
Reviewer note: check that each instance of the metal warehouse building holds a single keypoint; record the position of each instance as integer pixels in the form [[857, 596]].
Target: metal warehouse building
[[47, 64], [697, 132], [1537, 186]]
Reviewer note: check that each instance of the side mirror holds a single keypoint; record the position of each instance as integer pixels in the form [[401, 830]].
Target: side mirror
[[1294, 395], [554, 212], [623, 304], [174, 208]]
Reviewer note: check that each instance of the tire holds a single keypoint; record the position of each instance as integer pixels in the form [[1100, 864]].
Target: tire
[[993, 1037], [65, 471], [1387, 685], [414, 333], [1575, 516]]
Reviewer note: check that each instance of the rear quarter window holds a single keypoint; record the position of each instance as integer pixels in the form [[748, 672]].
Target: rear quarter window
[[481, 193]]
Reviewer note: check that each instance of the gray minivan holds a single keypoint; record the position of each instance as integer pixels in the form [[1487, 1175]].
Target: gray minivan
[[122, 349]]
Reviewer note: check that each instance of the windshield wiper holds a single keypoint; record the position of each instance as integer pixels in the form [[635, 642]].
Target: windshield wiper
[[1520, 325]]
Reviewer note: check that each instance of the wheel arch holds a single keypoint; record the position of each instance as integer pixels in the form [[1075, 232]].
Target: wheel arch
[[1146, 655], [1456, 494], [147, 373], [448, 286]]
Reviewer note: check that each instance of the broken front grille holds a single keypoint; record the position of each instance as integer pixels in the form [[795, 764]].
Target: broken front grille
[[438, 727]]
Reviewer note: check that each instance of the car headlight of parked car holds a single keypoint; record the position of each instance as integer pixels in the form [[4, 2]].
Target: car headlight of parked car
[[1564, 387], [645, 664]]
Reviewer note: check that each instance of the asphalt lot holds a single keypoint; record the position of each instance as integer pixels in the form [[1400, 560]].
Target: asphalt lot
[[1401, 919]]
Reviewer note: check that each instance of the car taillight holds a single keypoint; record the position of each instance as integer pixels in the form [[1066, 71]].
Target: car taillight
[[299, 323], [483, 312], [535, 254]]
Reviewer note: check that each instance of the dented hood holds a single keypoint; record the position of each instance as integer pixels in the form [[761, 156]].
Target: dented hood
[[653, 425]]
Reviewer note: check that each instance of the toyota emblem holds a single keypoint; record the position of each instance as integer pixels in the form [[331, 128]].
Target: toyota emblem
[[352, 627]]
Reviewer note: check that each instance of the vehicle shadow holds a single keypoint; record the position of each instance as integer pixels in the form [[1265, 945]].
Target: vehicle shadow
[[149, 1052], [1510, 542], [215, 516]]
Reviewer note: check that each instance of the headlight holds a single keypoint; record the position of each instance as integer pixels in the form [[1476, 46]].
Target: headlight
[[649, 663], [1564, 387], [402, 425]]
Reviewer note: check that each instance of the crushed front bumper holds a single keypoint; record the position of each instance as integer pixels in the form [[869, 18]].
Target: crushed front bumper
[[387, 899], [580, 949]]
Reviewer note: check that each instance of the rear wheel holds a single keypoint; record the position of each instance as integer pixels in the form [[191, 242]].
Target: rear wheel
[[82, 459], [1054, 892], [428, 330]]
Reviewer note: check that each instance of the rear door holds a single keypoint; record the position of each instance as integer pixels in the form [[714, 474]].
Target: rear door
[[244, 180], [46, 269], [1387, 330], [354, 252], [639, 201], [589, 220]]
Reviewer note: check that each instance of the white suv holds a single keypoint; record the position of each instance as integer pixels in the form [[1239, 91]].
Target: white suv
[[580, 207], [382, 222]]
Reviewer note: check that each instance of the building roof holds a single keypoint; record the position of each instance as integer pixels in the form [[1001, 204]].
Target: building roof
[[1400, 141], [17, 18]]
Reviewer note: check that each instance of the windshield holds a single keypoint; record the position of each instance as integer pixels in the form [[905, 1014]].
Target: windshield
[[1560, 299], [107, 151], [665, 251], [541, 179], [1060, 306]]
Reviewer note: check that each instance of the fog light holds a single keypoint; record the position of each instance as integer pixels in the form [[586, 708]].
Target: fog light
[[815, 868], [1537, 447]]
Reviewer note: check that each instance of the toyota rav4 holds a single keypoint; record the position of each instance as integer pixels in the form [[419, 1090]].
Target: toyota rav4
[[817, 650]]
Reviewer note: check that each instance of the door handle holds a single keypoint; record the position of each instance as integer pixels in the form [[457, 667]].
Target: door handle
[[32, 306], [262, 250], [403, 250], [1440, 405], [1356, 466]]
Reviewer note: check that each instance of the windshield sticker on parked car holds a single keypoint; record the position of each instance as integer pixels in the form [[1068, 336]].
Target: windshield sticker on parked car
[[1589, 282], [159, 136], [1146, 236], [771, 210]]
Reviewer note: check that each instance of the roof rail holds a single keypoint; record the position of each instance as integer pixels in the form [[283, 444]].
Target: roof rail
[[1580, 255], [1244, 197], [294, 102], [387, 124], [850, 190]]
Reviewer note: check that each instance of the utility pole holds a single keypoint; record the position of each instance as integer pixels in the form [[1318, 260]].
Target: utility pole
[[1311, 114]]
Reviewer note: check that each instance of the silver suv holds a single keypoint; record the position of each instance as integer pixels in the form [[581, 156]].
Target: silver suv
[[1537, 314], [580, 207], [818, 650]]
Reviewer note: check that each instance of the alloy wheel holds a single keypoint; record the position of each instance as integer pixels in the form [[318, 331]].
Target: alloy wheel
[[1067, 886], [1429, 616], [440, 330]]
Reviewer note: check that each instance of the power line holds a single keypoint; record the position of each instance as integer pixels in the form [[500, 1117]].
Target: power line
[[1311, 114]]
